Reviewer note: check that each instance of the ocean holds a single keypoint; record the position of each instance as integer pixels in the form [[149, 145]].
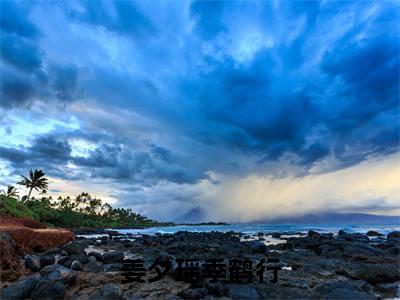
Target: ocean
[[268, 228]]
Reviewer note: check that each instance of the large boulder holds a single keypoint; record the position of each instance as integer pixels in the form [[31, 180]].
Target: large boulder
[[76, 266], [81, 257], [59, 273], [46, 260], [73, 247], [393, 234], [342, 289], [313, 235], [374, 233], [371, 273], [20, 289], [113, 257], [357, 248], [95, 254], [48, 289], [33, 262]]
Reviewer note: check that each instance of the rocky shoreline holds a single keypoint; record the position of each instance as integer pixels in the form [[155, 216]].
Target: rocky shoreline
[[313, 266]]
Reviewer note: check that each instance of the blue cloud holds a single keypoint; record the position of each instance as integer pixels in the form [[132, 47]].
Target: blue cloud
[[121, 17], [262, 82], [208, 16], [13, 19], [20, 52]]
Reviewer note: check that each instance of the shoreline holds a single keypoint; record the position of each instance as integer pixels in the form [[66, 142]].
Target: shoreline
[[313, 265]]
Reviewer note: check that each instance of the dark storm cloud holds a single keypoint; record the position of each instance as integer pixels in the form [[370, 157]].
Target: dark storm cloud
[[370, 71], [16, 90], [252, 115], [58, 84], [13, 19], [313, 153], [147, 168], [262, 107], [65, 84], [46, 150], [21, 53], [263, 80], [108, 161], [24, 75]]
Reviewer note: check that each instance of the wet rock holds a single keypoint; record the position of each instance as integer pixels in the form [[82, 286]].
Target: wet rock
[[239, 291], [59, 273], [21, 289], [91, 259], [63, 259], [112, 267], [91, 266], [81, 257], [393, 234], [132, 295], [313, 235], [374, 233], [48, 289], [54, 250], [256, 246], [113, 257], [32, 262], [276, 235], [354, 237], [217, 289], [97, 255], [371, 273], [361, 248], [96, 296], [342, 289], [76, 266], [194, 293], [395, 250], [73, 247], [111, 291], [389, 290], [46, 260]]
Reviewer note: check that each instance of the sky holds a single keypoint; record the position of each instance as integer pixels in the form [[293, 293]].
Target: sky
[[246, 110]]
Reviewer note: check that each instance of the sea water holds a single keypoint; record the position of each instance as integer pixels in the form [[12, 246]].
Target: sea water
[[268, 228]]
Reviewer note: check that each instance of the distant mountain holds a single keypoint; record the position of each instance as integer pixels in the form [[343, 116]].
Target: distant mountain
[[198, 215], [335, 218], [195, 215]]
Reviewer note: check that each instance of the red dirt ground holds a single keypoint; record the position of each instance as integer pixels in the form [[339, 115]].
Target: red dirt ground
[[28, 235]]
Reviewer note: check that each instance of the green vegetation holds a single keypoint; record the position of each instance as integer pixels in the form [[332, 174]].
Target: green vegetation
[[11, 191], [11, 207], [81, 211]]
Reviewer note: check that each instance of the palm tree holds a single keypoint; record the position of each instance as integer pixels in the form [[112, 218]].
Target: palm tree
[[36, 181], [11, 191]]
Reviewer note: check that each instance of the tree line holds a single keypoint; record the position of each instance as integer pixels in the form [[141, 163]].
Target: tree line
[[83, 210]]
